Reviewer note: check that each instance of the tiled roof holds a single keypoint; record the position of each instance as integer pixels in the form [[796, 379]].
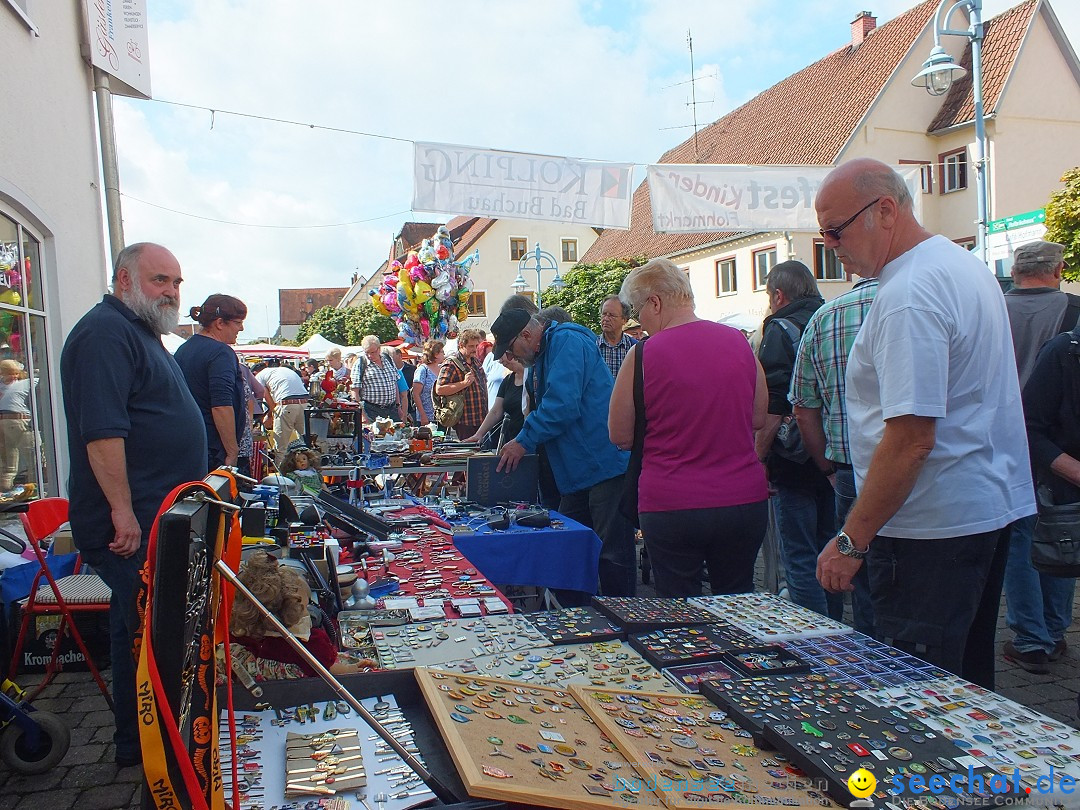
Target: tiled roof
[[1002, 36], [806, 119], [293, 306], [413, 233], [466, 233]]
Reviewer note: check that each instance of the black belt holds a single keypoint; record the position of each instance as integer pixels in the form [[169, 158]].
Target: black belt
[[842, 466]]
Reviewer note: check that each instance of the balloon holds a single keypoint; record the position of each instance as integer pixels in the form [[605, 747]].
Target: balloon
[[390, 303], [427, 252], [442, 252], [418, 273], [411, 260], [422, 292], [377, 302], [395, 266], [405, 283], [431, 307], [462, 313], [425, 328]]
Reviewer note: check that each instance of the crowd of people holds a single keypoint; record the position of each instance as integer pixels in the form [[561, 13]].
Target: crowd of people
[[889, 429]]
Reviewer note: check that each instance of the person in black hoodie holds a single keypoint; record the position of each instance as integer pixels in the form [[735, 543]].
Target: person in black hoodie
[[803, 501]]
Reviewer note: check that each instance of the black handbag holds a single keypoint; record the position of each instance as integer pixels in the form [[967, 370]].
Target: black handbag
[[629, 504], [1055, 547]]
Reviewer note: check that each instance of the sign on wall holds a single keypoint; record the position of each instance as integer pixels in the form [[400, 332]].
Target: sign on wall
[[691, 198], [469, 181], [1004, 236], [120, 44]]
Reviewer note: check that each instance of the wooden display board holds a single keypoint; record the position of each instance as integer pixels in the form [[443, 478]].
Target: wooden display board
[[691, 752]]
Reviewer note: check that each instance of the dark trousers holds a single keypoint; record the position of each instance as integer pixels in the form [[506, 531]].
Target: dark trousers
[[373, 411], [598, 508], [726, 539], [122, 575], [938, 599]]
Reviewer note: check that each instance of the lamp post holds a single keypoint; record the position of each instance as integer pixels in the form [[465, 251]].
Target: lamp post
[[937, 77], [542, 260]]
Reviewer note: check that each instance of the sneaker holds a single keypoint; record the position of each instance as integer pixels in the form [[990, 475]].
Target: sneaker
[[1059, 650], [1036, 661]]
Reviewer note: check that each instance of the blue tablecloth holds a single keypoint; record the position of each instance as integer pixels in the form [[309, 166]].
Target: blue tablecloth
[[549, 558]]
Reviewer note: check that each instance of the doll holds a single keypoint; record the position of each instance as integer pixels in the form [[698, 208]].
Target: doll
[[285, 594], [301, 464]]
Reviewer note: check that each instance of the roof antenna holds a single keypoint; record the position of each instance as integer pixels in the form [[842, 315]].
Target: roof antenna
[[693, 93]]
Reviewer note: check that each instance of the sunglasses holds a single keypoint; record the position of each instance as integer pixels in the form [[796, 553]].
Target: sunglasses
[[834, 233]]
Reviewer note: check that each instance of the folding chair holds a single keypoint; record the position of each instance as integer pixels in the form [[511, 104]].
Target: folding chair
[[64, 597]]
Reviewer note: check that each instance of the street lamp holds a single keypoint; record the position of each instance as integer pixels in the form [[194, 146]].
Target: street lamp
[[542, 261], [937, 77]]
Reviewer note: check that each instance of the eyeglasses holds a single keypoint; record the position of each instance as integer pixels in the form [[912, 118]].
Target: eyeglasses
[[834, 233], [635, 311]]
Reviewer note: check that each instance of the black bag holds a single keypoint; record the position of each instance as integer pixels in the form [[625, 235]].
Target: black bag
[[788, 442], [629, 504], [1055, 548]]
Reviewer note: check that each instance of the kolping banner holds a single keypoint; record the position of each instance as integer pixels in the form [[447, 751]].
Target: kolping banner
[[469, 181], [690, 198]]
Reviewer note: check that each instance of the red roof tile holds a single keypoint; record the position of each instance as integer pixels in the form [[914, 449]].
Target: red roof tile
[[806, 119], [294, 306], [1002, 36]]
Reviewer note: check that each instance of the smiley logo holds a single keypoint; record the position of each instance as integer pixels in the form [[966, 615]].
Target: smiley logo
[[861, 783]]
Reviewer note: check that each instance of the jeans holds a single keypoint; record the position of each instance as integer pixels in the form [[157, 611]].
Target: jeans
[[938, 599], [862, 606], [391, 411], [726, 539], [122, 575], [598, 508], [806, 520], [1038, 607]]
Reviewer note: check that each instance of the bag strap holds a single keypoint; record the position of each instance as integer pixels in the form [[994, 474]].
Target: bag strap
[[1071, 319], [639, 397], [791, 330]]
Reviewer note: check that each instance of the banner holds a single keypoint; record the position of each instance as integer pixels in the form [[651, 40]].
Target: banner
[[469, 181], [120, 44], [691, 198]]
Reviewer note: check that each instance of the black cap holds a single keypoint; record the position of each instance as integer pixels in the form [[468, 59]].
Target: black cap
[[507, 327]]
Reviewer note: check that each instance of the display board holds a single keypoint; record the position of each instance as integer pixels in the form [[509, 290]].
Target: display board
[[439, 642], [863, 661], [769, 617], [576, 625], [698, 644], [639, 614]]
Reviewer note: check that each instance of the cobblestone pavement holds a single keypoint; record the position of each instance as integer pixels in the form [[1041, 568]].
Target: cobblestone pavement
[[87, 779]]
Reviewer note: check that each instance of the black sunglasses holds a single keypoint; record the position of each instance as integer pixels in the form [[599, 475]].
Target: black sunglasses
[[834, 233]]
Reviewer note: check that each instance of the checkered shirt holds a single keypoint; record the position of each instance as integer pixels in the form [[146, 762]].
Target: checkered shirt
[[476, 395], [614, 355], [379, 385], [818, 378]]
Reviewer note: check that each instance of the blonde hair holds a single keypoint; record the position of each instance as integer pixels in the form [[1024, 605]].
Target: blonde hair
[[431, 350], [469, 335], [661, 277], [281, 590], [288, 464]]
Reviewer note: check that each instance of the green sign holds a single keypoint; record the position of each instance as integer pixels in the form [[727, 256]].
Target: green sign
[[1037, 217]]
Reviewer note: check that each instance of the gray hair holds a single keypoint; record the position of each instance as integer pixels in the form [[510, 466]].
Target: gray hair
[[882, 182], [553, 315], [330, 355], [793, 279], [369, 341], [661, 277], [625, 308], [394, 352], [129, 257], [519, 302]]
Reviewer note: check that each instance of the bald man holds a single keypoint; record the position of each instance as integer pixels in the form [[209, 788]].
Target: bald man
[[936, 428]]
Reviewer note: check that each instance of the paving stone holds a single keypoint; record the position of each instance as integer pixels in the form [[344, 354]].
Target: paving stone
[[39, 782], [133, 774], [71, 677], [106, 797], [103, 718], [83, 690], [53, 800], [1052, 691], [55, 705], [103, 734], [87, 776], [84, 755], [81, 735]]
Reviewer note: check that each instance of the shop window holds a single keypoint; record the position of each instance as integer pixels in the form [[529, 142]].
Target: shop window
[[725, 276], [477, 305], [954, 171], [569, 250], [518, 248], [764, 261], [826, 266]]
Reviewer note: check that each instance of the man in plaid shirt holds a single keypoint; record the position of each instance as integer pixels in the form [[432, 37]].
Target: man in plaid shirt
[[461, 373], [817, 396], [375, 382], [612, 343]]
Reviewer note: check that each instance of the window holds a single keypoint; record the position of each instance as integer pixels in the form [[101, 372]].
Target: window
[[477, 304], [32, 462], [926, 174], [569, 250], [764, 261], [519, 246], [725, 276], [954, 171], [966, 242], [826, 266], [530, 294]]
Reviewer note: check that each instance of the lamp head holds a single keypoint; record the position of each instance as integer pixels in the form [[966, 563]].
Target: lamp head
[[519, 284], [938, 73]]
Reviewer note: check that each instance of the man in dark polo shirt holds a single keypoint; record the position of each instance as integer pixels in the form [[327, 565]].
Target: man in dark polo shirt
[[134, 433]]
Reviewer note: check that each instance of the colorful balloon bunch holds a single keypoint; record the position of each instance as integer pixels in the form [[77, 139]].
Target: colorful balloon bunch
[[427, 296]]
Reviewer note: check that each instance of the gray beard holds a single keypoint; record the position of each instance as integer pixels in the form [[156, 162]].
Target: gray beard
[[160, 314]]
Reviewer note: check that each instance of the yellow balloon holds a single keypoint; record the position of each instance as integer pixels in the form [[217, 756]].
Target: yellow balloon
[[422, 292], [380, 307], [405, 283], [462, 313]]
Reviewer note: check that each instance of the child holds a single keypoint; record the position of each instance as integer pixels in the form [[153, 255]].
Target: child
[[301, 464], [285, 594]]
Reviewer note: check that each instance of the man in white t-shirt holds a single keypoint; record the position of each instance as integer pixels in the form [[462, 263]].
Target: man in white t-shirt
[[936, 428], [286, 397]]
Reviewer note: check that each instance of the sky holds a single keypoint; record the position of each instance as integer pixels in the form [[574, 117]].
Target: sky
[[578, 78]]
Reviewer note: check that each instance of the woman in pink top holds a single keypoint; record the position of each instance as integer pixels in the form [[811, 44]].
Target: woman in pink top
[[702, 499]]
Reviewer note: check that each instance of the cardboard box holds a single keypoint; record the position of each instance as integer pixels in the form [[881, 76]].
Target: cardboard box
[[63, 543]]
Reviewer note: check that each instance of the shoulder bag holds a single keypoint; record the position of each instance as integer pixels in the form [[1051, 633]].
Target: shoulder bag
[[629, 504], [449, 410]]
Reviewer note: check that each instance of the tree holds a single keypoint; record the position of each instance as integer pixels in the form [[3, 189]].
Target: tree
[[1063, 221], [587, 285], [364, 320], [328, 322]]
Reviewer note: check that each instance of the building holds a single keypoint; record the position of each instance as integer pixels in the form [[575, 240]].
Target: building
[[50, 212], [859, 102], [502, 244], [296, 306]]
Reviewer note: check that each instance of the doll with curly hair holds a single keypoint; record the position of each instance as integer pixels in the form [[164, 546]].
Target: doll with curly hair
[[301, 464], [285, 594]]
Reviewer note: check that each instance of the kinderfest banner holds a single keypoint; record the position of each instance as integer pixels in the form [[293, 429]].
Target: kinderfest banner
[[691, 198], [513, 185]]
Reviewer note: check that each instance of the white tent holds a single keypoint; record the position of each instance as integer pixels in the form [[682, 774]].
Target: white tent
[[741, 321], [317, 346], [172, 342]]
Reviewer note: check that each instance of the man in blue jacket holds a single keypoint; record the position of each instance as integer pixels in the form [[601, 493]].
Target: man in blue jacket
[[571, 387]]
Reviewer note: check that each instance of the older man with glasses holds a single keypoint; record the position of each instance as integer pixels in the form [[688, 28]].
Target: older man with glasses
[[934, 416]]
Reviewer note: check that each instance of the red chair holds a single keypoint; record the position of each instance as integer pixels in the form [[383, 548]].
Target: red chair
[[64, 597]]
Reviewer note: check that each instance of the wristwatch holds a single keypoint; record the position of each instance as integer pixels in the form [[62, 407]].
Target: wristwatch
[[847, 548]]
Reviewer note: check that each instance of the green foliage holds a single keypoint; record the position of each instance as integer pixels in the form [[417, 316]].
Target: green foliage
[[1063, 221], [328, 322], [587, 285], [364, 320]]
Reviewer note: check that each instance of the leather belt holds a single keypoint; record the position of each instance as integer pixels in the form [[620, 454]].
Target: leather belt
[[10, 415], [293, 400]]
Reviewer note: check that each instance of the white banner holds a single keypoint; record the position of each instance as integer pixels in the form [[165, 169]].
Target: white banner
[[120, 44], [691, 198], [486, 182]]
